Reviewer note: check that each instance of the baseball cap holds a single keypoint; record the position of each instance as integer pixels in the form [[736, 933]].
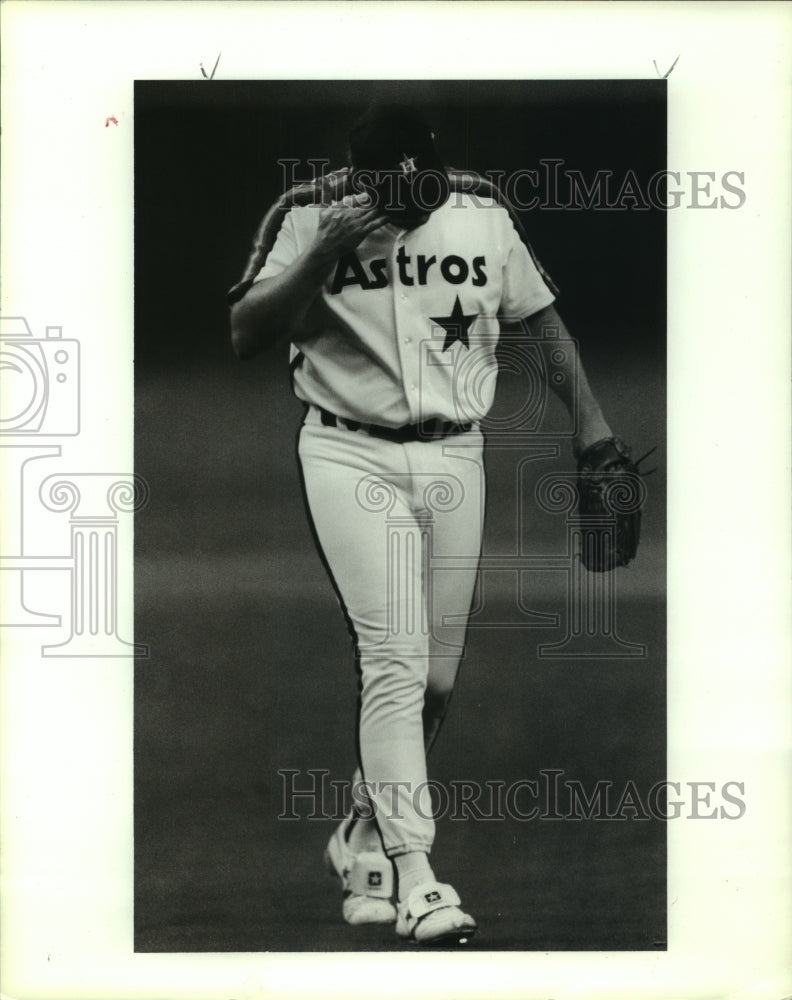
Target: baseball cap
[[394, 158], [385, 134]]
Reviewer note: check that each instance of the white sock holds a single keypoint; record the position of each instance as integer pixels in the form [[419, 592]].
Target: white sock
[[412, 869]]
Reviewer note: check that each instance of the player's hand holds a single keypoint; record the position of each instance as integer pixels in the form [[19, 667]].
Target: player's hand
[[344, 227]]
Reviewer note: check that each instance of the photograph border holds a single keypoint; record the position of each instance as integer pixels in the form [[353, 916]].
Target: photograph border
[[67, 212]]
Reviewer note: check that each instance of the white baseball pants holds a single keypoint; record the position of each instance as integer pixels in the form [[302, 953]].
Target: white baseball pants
[[383, 512]]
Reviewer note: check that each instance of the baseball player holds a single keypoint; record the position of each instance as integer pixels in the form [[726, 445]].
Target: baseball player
[[390, 287]]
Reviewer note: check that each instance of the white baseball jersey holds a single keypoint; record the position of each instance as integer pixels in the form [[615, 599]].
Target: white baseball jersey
[[405, 327]]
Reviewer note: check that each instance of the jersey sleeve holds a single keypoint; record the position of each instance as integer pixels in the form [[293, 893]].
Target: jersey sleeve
[[525, 290], [284, 251]]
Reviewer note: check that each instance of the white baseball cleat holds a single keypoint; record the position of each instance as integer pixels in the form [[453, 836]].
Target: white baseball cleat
[[431, 915], [366, 879]]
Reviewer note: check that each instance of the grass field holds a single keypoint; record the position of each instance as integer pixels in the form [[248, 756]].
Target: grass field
[[251, 672]]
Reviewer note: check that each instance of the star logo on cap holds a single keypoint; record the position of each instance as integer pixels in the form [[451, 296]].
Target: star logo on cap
[[408, 164], [456, 325]]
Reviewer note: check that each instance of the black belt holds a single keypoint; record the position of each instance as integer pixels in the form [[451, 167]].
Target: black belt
[[427, 430]]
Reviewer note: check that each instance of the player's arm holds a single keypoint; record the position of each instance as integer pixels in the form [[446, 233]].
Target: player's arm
[[275, 307], [562, 358], [528, 293]]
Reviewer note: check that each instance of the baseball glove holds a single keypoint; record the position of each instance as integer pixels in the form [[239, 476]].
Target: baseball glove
[[611, 494]]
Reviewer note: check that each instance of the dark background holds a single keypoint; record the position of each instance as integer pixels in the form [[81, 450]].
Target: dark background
[[250, 667]]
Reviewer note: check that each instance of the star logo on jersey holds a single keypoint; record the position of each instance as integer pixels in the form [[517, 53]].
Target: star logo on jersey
[[456, 325]]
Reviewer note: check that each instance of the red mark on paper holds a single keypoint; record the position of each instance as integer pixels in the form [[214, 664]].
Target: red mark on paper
[[111, 119]]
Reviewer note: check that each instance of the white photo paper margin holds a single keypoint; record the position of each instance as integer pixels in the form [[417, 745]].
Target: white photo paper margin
[[67, 226]]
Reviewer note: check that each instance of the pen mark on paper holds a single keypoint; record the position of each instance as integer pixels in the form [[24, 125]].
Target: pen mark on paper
[[211, 75], [664, 76]]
